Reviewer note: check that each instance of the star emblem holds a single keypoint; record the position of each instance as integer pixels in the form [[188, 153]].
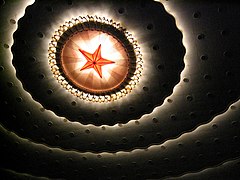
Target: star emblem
[[95, 61]]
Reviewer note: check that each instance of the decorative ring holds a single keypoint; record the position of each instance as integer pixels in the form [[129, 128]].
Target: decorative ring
[[109, 72]]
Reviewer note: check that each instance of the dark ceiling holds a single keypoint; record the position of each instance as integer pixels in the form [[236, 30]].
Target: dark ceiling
[[180, 122]]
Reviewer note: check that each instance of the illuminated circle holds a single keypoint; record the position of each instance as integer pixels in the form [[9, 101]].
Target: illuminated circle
[[82, 71], [95, 59]]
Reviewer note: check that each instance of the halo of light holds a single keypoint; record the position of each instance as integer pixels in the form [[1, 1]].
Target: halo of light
[[112, 28]]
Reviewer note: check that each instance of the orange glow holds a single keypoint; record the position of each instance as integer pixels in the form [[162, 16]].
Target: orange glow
[[70, 52], [78, 64]]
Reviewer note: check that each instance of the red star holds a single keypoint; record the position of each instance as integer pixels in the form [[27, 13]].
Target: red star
[[95, 60]]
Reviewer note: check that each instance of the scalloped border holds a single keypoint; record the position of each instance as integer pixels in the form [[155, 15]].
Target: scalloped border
[[128, 84]]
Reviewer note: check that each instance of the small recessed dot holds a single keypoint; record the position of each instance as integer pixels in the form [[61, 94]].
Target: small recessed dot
[[189, 98], [235, 138], [200, 156], [114, 111], [204, 57], [149, 105], [192, 115], [119, 166], [141, 137], [121, 10], [131, 108], [27, 113], [108, 143], [173, 117], [186, 80], [229, 73], [210, 95], [41, 76], [180, 145], [150, 162], [155, 120], [1, 68], [35, 126], [40, 34], [163, 147], [10, 84], [201, 36], [19, 99], [150, 26], [227, 54], [145, 88], [214, 126], [87, 131], [96, 115], [50, 123], [124, 140], [198, 143], [120, 125], [220, 9], [134, 164], [216, 140], [71, 134], [160, 67], [207, 77], [224, 32], [155, 47], [137, 122], [183, 158], [6, 46], [166, 160], [197, 15], [49, 91], [57, 136], [73, 103], [12, 21], [169, 100], [32, 59], [159, 135]]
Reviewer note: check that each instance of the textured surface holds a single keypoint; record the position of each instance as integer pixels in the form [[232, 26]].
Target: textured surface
[[193, 134]]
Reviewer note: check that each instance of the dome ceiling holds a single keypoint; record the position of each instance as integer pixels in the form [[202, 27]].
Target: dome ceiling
[[119, 89]]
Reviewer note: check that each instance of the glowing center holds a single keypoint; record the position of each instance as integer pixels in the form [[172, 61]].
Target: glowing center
[[95, 60]]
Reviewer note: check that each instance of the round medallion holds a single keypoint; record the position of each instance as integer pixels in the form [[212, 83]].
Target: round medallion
[[95, 59]]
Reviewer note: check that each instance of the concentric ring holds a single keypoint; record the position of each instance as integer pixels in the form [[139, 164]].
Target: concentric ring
[[65, 64], [161, 71], [86, 152]]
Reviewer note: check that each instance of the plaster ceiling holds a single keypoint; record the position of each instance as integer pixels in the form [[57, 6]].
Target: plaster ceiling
[[180, 122]]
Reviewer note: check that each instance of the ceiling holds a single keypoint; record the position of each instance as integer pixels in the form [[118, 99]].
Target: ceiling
[[181, 121]]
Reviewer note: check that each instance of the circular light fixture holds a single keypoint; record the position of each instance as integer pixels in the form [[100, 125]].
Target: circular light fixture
[[95, 59]]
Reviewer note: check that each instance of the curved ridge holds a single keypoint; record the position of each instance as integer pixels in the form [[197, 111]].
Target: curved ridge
[[124, 151]]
